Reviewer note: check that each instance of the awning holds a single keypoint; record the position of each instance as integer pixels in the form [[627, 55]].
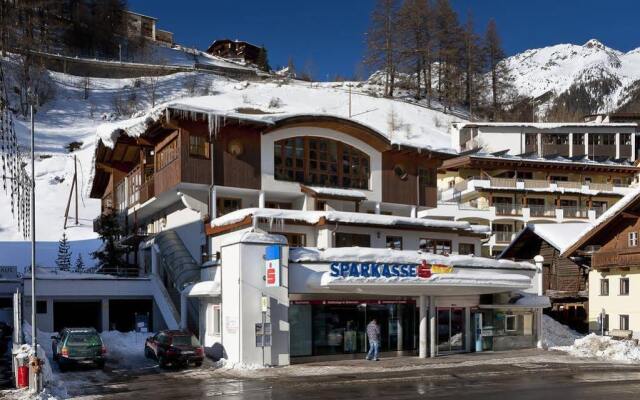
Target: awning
[[203, 289]]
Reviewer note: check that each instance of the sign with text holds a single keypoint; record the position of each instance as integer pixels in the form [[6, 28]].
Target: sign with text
[[8, 272], [387, 270], [272, 266]]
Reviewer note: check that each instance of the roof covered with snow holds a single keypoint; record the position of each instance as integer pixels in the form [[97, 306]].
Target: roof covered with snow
[[314, 217], [560, 236], [546, 125]]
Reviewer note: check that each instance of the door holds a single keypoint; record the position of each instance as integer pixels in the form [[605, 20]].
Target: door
[[451, 330]]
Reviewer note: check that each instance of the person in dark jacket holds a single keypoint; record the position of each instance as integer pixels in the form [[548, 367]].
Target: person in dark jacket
[[373, 334]]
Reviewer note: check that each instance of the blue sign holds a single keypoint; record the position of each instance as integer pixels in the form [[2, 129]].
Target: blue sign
[[373, 270], [272, 252]]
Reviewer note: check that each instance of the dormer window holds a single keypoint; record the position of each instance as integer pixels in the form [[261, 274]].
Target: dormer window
[[317, 161]]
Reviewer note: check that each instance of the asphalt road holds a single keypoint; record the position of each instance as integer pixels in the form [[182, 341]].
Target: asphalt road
[[525, 381]]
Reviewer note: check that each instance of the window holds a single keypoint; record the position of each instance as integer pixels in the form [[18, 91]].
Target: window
[[578, 139], [214, 320], [602, 139], [226, 205], [322, 162], [41, 307], [436, 246], [604, 287], [279, 205], [531, 139], [633, 239], [198, 147], [167, 154], [605, 323], [624, 322], [624, 286], [625, 139], [558, 178], [510, 323], [394, 242], [294, 239], [321, 205], [352, 240], [466, 248]]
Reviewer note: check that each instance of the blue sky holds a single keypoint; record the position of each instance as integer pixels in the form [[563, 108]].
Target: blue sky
[[326, 36]]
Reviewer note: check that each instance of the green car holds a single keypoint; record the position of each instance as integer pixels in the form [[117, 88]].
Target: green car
[[75, 346]]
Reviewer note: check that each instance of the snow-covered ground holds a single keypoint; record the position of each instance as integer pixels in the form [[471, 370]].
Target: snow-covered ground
[[603, 348], [70, 117], [556, 334]]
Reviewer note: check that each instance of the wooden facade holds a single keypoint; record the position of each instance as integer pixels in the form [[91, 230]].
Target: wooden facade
[[402, 182]]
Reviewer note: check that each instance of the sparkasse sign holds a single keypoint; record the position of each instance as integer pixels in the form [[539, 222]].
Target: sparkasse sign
[[272, 266], [387, 270], [8, 272]]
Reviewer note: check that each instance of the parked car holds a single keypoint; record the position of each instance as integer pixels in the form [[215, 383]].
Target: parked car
[[175, 348], [74, 346]]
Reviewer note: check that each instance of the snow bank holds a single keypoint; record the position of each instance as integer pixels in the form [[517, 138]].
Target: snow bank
[[224, 364], [603, 348], [125, 348], [556, 334]]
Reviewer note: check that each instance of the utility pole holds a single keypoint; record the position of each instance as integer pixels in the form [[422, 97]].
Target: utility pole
[[75, 180]]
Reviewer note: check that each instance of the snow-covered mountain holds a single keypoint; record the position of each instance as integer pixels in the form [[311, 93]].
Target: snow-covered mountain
[[588, 78]]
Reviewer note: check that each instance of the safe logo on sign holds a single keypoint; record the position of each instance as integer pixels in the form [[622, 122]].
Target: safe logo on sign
[[271, 274], [384, 270]]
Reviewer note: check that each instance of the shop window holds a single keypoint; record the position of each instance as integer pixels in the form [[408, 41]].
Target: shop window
[[352, 240], [198, 147], [604, 287], [466, 248], [41, 307], [510, 323], [167, 154], [227, 205], [437, 246], [321, 162], [624, 322], [394, 242], [633, 239], [624, 286]]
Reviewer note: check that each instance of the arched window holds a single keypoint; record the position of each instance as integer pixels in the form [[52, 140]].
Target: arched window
[[321, 162]]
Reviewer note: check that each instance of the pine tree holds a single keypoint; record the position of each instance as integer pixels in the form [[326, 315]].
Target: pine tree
[[111, 255], [499, 76], [382, 42], [79, 265], [449, 49], [415, 22], [64, 254], [263, 60], [473, 62]]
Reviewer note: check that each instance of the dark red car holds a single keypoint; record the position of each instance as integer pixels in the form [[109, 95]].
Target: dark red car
[[175, 348]]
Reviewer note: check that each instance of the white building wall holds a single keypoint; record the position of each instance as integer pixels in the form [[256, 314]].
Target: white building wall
[[189, 227], [615, 304]]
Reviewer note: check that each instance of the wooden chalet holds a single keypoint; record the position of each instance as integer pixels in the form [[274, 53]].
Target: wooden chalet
[[235, 50]]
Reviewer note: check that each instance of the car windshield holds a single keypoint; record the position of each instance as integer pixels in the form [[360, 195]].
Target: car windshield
[[84, 338], [184, 340]]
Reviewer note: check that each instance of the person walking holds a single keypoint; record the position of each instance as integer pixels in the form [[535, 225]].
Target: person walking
[[373, 334]]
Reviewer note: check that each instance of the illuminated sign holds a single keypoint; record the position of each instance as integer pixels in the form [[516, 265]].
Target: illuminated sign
[[387, 270], [272, 266]]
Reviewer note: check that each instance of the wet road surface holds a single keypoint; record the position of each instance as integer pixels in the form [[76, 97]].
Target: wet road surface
[[531, 381]]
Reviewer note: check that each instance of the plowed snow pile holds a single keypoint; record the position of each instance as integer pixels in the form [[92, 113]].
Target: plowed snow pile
[[605, 348], [556, 334]]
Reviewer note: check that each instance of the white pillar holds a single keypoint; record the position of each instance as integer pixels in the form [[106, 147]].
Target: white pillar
[[378, 208], [539, 260], [183, 310], [213, 206], [633, 146], [570, 144], [414, 212], [432, 326], [539, 140], [617, 145], [261, 200], [586, 144], [423, 343]]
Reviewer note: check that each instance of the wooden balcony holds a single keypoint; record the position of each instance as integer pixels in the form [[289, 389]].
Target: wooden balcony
[[616, 258]]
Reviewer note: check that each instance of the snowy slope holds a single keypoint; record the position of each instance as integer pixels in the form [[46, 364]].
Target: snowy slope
[[69, 117], [556, 68]]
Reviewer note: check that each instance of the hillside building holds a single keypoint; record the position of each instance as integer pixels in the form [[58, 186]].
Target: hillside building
[[144, 26], [278, 237], [596, 140], [506, 192], [236, 50]]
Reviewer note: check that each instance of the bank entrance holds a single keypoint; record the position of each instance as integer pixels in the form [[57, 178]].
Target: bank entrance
[[451, 322]]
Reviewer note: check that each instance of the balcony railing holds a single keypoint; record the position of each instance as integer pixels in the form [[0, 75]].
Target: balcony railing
[[541, 211], [508, 209], [503, 237], [569, 185], [615, 258], [535, 183], [575, 212], [503, 182], [602, 187]]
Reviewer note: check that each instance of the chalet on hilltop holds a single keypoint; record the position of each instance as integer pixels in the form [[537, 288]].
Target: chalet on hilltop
[[237, 50]]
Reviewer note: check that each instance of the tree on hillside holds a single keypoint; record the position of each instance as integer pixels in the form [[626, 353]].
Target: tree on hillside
[[382, 42], [96, 28], [499, 77], [111, 255], [415, 32], [79, 265], [472, 64], [63, 261], [263, 60], [449, 49]]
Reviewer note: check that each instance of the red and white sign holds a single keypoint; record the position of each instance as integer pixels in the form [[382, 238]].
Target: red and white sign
[[272, 273]]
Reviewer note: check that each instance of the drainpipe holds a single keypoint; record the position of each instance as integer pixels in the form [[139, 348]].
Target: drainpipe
[[538, 260]]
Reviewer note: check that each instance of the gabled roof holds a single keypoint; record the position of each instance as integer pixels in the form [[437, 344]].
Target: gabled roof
[[559, 236], [628, 202]]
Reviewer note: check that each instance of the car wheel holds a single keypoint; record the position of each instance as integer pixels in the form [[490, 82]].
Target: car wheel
[[162, 362]]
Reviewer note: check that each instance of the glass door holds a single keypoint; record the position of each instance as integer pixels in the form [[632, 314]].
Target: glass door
[[451, 330]]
